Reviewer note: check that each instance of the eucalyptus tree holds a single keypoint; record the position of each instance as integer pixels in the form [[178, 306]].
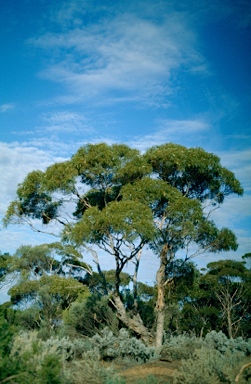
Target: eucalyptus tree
[[4, 268], [201, 185], [119, 200], [81, 200], [229, 283], [43, 285], [185, 186]]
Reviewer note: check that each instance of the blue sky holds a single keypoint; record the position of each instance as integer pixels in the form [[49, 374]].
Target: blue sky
[[138, 72]]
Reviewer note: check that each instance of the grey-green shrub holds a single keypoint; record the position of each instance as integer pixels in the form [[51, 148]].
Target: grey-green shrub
[[209, 366], [59, 360], [122, 346], [180, 347], [218, 360], [90, 371], [183, 346], [222, 343]]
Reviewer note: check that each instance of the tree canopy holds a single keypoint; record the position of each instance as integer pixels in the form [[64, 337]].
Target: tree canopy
[[114, 198]]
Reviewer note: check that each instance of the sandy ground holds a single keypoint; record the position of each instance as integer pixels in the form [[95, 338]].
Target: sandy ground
[[162, 370]]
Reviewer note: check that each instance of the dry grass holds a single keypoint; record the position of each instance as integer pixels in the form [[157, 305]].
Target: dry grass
[[161, 370]]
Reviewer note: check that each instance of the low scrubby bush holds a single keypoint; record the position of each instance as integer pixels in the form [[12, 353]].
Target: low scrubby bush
[[58, 361], [180, 347], [209, 366], [122, 346], [222, 343], [218, 360], [90, 371]]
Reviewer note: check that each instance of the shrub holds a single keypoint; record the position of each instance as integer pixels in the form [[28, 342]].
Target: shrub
[[92, 315], [50, 371], [219, 341], [38, 362], [183, 346], [90, 371], [122, 347], [208, 365], [58, 360], [180, 347]]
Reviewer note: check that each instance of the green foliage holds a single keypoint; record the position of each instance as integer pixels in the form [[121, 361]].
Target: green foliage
[[59, 177], [60, 289], [218, 299], [110, 277], [92, 315], [54, 361], [5, 261], [115, 380], [43, 301], [50, 372], [28, 362], [103, 165], [24, 291], [225, 269], [193, 171], [35, 261], [213, 360], [46, 259], [115, 198], [126, 219], [229, 282]]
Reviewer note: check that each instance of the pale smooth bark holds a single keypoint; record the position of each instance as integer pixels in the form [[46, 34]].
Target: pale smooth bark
[[160, 303], [134, 322]]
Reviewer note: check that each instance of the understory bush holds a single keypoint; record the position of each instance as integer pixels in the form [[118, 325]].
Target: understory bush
[[122, 346], [90, 316], [183, 346], [218, 360], [58, 361], [180, 347], [64, 348], [209, 366], [212, 360], [90, 371], [222, 343]]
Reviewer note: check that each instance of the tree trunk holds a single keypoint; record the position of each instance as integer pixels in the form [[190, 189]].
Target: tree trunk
[[160, 303], [134, 322], [229, 320]]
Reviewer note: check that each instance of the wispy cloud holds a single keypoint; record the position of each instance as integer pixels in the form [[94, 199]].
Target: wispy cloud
[[124, 53], [240, 163], [15, 162], [65, 121], [6, 107], [172, 130]]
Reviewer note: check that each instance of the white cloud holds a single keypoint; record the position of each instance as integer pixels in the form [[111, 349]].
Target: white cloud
[[16, 235], [172, 130], [239, 162], [133, 55], [6, 107], [184, 126], [233, 211], [65, 121], [16, 161]]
